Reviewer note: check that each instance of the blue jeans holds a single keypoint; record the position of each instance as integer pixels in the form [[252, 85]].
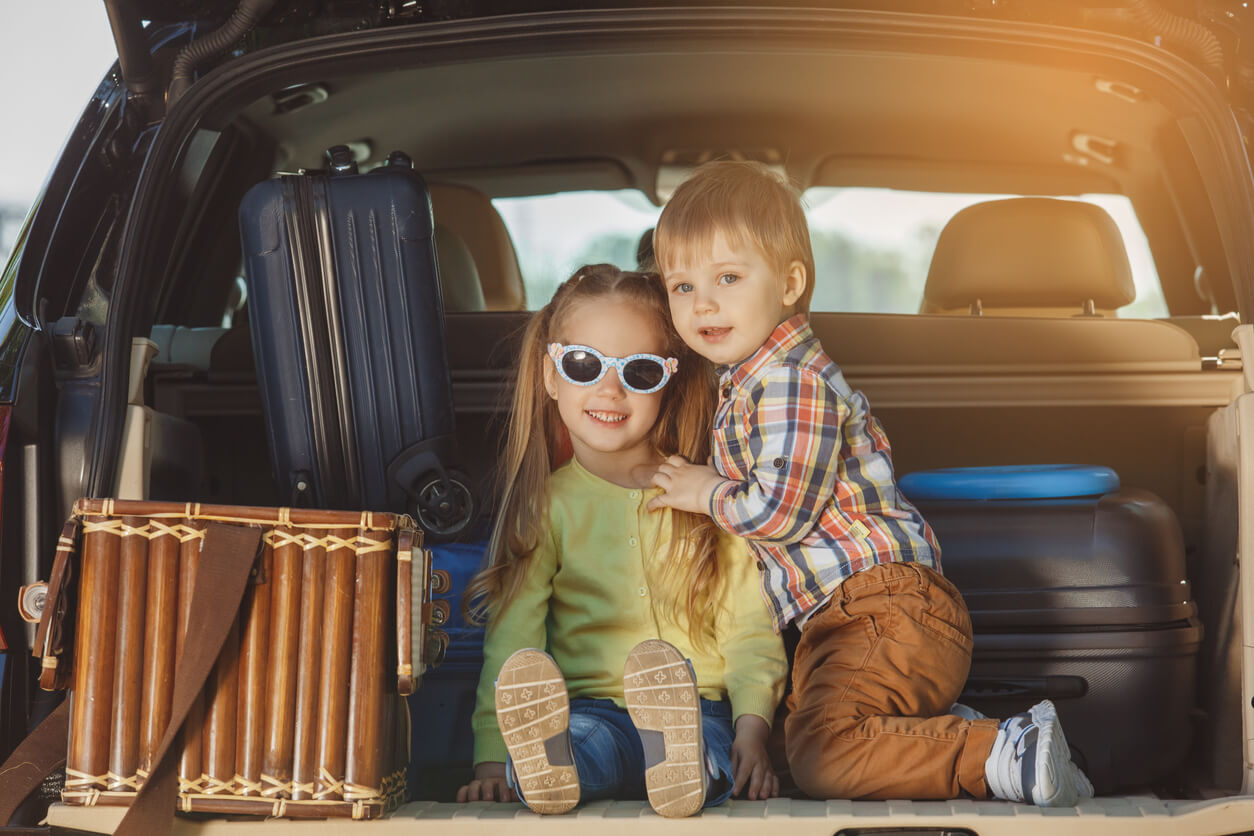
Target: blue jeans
[[610, 758]]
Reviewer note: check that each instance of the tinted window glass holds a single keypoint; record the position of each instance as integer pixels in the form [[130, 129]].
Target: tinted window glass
[[557, 234], [872, 247]]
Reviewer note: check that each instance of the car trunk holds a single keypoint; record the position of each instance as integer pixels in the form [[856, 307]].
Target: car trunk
[[1024, 409], [894, 100]]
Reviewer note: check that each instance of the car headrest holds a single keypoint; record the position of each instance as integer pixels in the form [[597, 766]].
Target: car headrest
[[1031, 255], [459, 280], [470, 214]]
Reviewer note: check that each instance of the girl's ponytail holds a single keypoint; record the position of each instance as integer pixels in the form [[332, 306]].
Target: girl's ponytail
[[522, 478]]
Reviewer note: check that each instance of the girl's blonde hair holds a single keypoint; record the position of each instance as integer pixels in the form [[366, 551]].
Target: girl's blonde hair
[[691, 580]]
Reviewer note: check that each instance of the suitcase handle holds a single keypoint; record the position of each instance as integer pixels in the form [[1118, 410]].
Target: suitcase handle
[[340, 160], [1034, 687]]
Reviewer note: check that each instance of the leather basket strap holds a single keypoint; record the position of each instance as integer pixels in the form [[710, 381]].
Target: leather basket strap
[[35, 758], [226, 559]]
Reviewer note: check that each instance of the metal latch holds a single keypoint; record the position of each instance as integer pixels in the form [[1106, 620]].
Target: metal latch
[[31, 600]]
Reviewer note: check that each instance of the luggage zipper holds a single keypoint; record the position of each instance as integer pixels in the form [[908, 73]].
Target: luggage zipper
[[322, 343], [342, 402]]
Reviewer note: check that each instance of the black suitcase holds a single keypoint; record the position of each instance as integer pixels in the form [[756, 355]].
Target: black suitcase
[[348, 334], [1084, 601]]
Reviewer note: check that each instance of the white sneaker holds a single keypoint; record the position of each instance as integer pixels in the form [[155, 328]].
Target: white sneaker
[[1031, 762]]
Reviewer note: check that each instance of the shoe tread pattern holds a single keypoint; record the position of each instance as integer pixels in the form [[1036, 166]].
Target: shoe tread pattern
[[662, 696], [532, 706]]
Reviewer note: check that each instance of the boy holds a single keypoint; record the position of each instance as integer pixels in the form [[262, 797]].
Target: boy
[[805, 473]]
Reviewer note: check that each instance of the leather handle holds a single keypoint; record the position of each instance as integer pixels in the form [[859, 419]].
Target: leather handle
[[55, 632], [406, 676]]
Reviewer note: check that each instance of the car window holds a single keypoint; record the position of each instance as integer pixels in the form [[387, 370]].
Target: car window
[[872, 247], [556, 234]]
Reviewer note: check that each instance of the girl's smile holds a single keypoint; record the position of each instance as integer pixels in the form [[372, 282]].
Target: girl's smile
[[606, 417]]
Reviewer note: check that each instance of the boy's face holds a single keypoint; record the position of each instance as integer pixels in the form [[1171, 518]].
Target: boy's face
[[726, 304]]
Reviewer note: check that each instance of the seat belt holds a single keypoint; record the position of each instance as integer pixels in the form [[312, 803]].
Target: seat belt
[[226, 561]]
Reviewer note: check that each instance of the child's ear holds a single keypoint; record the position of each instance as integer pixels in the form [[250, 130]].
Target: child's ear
[[550, 377], [794, 283]]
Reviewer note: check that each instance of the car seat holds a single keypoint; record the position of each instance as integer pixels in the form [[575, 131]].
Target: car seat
[[1029, 257], [469, 214]]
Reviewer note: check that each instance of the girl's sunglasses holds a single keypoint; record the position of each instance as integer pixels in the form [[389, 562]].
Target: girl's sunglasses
[[640, 373]]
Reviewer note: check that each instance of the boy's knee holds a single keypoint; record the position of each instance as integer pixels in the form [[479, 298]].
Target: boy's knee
[[823, 753], [818, 768]]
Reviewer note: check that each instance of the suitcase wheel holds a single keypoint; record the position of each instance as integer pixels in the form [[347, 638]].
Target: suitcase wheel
[[445, 506]]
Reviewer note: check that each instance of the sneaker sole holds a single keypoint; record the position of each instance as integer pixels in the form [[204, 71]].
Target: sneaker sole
[[663, 701], [1055, 784], [533, 711]]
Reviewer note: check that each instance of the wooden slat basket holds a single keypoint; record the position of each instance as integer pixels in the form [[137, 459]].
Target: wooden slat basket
[[303, 713]]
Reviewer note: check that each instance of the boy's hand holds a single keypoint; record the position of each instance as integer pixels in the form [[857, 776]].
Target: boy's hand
[[751, 766], [688, 487], [489, 784]]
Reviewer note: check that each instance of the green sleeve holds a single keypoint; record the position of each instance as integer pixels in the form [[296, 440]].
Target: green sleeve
[[753, 653], [522, 624]]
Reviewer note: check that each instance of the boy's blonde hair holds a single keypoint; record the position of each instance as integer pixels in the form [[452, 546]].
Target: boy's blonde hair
[[690, 585], [748, 203]]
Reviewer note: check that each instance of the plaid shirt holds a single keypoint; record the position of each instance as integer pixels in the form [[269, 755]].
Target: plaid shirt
[[811, 475]]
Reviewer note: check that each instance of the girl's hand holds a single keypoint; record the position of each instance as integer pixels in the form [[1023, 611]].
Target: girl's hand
[[688, 487], [489, 784], [751, 766]]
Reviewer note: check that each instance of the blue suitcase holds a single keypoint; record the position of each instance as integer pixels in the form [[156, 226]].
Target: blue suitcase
[[440, 711], [348, 335]]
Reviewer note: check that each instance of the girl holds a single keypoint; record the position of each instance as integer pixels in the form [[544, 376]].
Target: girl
[[579, 566]]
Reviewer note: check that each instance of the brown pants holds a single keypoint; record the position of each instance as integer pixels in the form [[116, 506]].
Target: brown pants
[[874, 674]]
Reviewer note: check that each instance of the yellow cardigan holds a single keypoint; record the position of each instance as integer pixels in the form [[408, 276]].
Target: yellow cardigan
[[586, 599]]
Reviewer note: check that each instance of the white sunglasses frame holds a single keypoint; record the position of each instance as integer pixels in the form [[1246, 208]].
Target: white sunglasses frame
[[669, 365]]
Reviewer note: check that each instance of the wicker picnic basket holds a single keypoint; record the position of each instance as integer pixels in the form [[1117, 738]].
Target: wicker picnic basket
[[301, 714]]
